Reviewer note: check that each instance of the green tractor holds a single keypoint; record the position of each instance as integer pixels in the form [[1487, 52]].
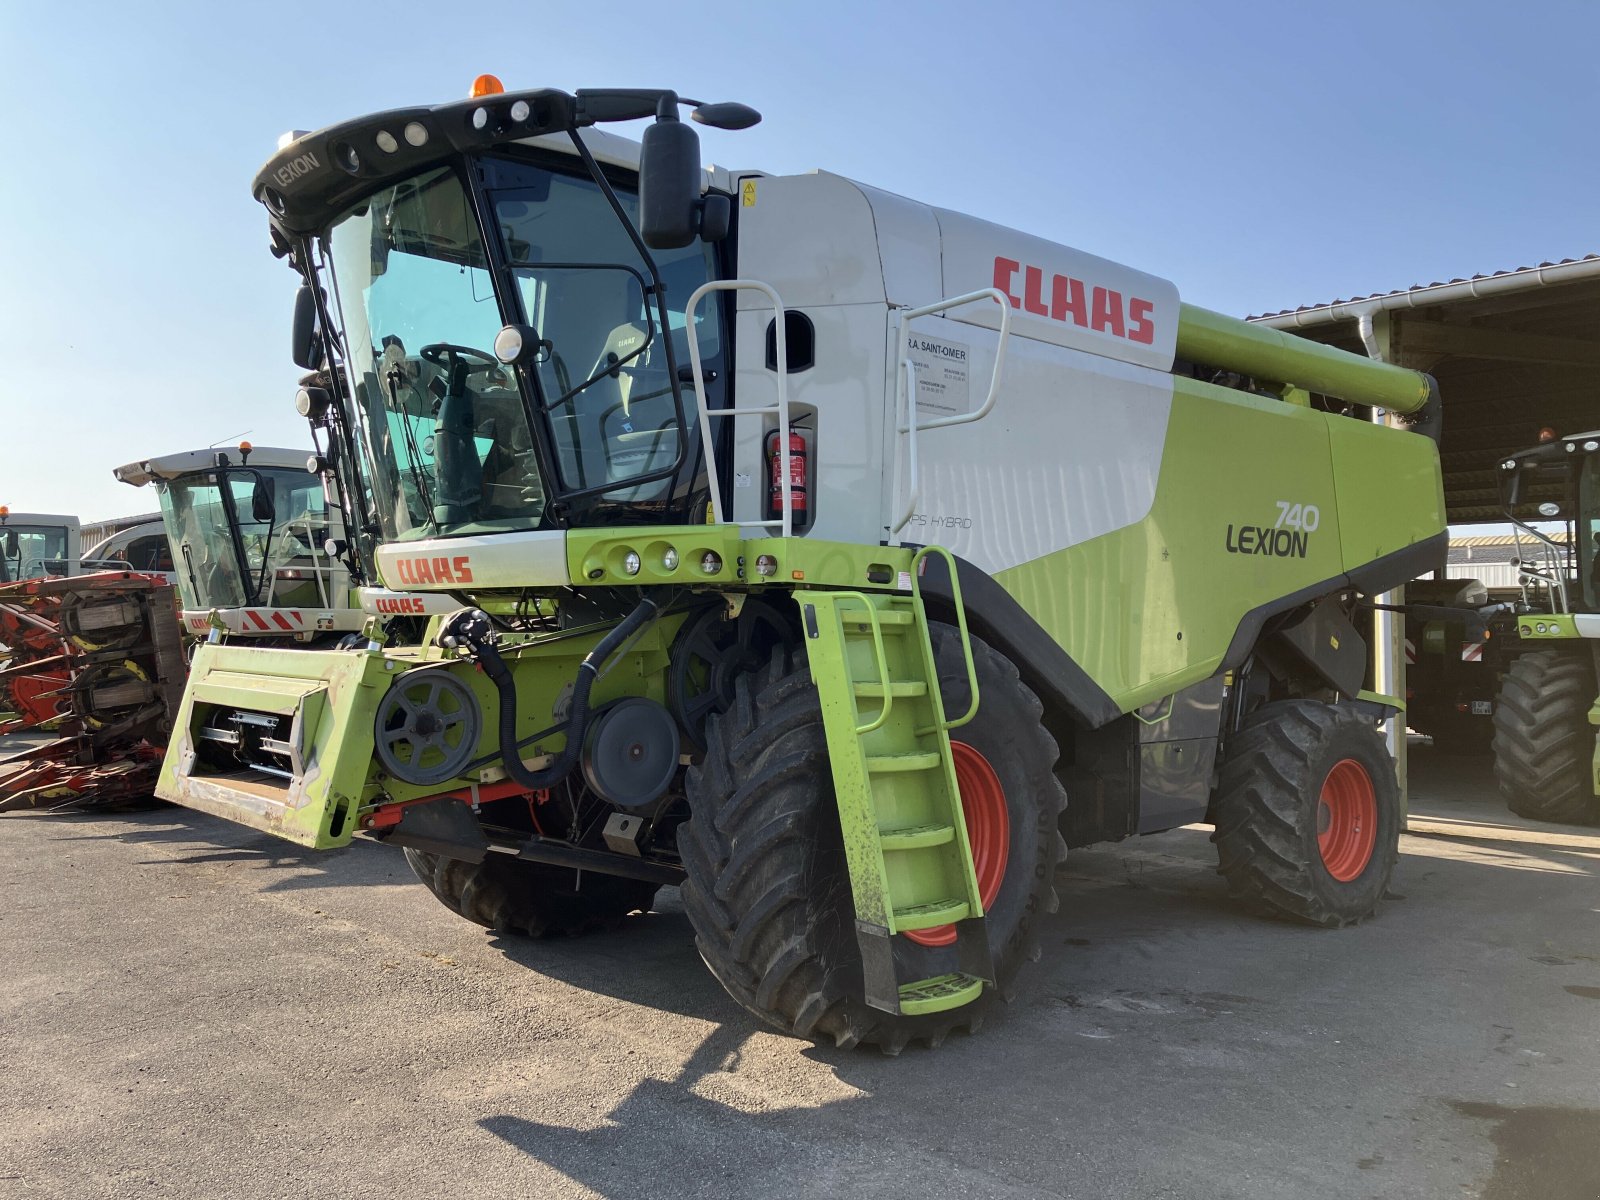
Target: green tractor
[[835, 558], [1545, 755]]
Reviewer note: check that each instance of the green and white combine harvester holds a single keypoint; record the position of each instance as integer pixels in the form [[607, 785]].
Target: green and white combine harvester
[[1546, 755], [823, 553]]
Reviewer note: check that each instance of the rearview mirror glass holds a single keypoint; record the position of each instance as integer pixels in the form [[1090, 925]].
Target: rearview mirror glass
[[261, 506]]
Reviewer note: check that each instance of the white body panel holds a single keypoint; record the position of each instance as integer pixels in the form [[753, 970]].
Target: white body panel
[[501, 560], [1072, 449]]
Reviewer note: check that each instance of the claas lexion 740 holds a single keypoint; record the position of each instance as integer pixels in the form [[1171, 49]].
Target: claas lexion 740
[[823, 553]]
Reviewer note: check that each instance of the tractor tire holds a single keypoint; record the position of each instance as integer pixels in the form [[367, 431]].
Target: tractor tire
[[509, 895], [1307, 814], [768, 890], [1543, 742]]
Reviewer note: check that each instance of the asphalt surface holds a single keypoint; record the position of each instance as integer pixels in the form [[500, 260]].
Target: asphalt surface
[[187, 1009]]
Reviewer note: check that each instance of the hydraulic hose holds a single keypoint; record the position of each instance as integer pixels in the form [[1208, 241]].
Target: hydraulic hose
[[471, 628]]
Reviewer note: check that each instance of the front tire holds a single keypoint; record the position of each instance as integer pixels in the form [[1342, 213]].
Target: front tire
[[768, 890], [509, 895], [1543, 742], [1308, 814]]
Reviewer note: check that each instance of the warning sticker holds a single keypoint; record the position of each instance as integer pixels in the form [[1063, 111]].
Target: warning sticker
[[942, 375], [748, 193]]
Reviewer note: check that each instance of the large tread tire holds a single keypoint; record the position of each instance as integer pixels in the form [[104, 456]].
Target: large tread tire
[[1267, 813], [509, 895], [768, 890], [1543, 742]]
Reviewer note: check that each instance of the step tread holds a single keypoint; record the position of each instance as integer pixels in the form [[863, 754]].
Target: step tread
[[916, 837], [939, 993], [899, 687], [926, 916], [884, 763]]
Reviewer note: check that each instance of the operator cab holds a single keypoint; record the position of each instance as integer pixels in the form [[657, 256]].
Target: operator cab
[[1557, 482], [37, 545], [497, 319], [246, 527]]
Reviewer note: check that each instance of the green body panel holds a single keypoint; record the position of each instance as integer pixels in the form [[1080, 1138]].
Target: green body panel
[[1548, 627], [331, 697], [1391, 494], [1151, 608]]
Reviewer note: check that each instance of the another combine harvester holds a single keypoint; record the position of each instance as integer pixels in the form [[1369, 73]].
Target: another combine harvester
[[819, 551], [249, 530], [1546, 756]]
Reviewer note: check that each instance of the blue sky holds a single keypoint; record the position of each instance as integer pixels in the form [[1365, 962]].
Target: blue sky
[[1262, 155]]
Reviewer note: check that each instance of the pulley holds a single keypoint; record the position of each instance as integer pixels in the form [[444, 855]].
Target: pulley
[[427, 727], [631, 754]]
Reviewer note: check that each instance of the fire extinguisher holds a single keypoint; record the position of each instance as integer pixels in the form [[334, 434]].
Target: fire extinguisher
[[797, 475]]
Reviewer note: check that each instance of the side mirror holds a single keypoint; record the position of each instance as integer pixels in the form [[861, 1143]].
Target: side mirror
[[669, 181], [1511, 493], [13, 547], [262, 510], [305, 352]]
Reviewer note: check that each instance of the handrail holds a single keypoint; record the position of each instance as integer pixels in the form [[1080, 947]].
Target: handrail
[[927, 310], [781, 410], [879, 652], [908, 376], [961, 624]]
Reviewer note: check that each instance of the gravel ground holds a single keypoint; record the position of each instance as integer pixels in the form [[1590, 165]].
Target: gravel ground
[[190, 1009]]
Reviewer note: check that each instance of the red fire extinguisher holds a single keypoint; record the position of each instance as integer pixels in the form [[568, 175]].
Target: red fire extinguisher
[[797, 475]]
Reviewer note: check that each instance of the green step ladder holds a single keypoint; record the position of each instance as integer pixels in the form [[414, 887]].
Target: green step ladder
[[889, 741]]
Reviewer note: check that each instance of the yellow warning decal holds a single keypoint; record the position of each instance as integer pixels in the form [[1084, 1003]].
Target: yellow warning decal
[[749, 193]]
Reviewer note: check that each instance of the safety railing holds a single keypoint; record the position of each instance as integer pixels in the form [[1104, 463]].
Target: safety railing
[[880, 655], [917, 562], [785, 522], [906, 379]]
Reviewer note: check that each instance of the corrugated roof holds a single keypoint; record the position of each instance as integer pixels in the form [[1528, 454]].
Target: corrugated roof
[[1495, 540], [1422, 287]]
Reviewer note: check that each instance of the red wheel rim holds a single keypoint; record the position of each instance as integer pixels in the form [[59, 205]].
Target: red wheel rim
[[1347, 820], [988, 822]]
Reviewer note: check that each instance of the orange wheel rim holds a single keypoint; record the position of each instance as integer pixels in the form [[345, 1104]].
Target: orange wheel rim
[[988, 822], [1347, 820]]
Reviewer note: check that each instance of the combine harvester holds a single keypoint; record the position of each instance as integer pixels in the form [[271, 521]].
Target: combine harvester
[[1547, 715], [833, 591], [250, 530]]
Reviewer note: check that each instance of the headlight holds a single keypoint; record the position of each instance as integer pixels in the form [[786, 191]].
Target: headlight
[[711, 563], [630, 563], [669, 559]]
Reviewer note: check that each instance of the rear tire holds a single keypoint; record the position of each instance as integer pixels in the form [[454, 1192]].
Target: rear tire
[[509, 895], [768, 890], [1543, 742], [1308, 814]]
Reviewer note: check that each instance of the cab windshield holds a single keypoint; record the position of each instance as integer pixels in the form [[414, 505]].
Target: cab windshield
[[248, 536], [448, 439], [36, 545]]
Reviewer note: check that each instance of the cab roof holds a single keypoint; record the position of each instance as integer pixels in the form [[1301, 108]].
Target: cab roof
[[187, 462]]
